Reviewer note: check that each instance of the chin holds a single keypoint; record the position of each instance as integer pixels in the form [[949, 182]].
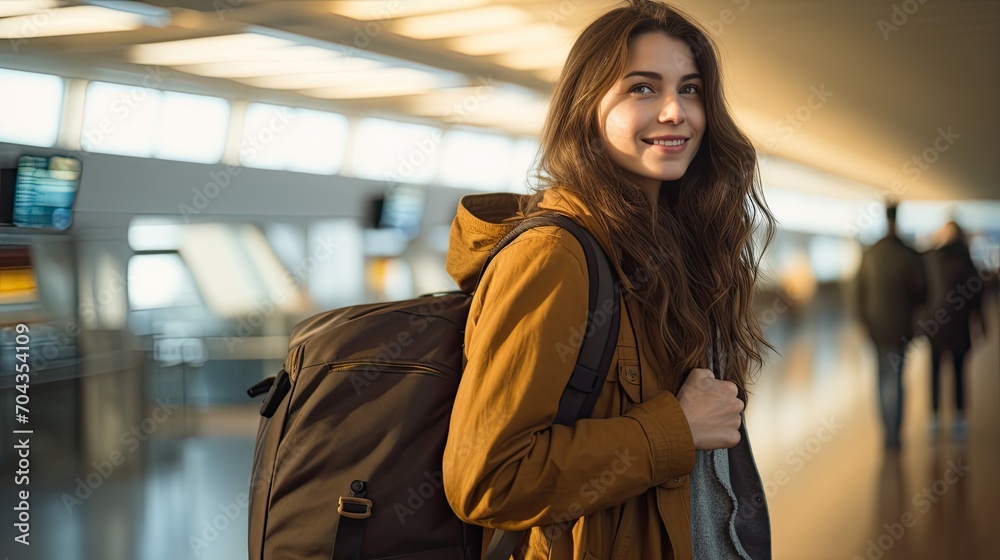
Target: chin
[[670, 176]]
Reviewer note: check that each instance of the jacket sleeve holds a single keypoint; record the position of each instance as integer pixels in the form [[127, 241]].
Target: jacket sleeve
[[505, 465]]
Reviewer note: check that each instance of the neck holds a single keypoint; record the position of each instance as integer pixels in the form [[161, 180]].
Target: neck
[[653, 191]]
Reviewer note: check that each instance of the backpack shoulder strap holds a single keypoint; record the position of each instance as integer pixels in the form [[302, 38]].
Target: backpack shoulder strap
[[596, 351]]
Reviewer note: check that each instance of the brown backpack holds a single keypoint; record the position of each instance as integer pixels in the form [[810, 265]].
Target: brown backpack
[[347, 463]]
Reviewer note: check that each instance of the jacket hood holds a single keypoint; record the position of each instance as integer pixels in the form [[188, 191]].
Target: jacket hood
[[483, 219]]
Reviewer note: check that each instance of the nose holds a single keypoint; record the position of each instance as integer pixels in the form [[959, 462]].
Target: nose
[[672, 111]]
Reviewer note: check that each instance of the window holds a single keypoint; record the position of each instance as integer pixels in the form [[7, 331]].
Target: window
[[30, 108], [396, 152], [276, 137], [156, 281], [119, 119], [192, 128], [476, 161], [144, 122]]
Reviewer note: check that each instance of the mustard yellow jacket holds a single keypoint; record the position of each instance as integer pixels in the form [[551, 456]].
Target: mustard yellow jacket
[[614, 486]]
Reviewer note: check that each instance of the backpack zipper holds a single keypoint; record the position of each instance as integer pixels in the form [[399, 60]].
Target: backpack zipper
[[382, 366]]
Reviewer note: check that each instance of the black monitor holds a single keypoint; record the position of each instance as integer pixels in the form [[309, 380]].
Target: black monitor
[[7, 196], [44, 191]]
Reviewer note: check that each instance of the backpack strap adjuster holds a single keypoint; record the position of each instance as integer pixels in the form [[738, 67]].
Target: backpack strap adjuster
[[355, 508]]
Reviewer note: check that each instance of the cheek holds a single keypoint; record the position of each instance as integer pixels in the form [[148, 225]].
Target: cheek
[[617, 125], [699, 120]]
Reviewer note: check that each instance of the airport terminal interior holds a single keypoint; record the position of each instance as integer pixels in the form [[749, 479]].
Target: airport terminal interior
[[182, 182]]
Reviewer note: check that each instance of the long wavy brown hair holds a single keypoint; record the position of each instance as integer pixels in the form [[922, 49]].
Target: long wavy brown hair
[[692, 258]]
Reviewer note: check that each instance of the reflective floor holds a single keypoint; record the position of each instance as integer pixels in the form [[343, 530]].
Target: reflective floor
[[834, 493], [177, 488]]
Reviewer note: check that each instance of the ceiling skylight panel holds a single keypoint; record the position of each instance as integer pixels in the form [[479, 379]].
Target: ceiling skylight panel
[[368, 10], [243, 46], [258, 68], [406, 78], [79, 20], [461, 23], [535, 60], [9, 8], [524, 38]]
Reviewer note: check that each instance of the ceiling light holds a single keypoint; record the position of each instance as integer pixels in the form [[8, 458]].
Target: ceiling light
[[461, 23], [367, 10], [257, 68], [366, 78], [24, 7], [80, 20], [529, 37], [206, 49], [368, 88], [535, 60], [505, 107]]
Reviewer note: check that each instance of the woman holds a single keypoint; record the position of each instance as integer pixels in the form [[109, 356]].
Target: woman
[[638, 148]]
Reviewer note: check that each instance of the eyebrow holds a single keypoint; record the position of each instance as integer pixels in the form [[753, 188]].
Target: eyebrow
[[658, 76]]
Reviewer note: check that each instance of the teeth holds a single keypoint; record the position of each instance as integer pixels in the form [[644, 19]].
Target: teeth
[[668, 142]]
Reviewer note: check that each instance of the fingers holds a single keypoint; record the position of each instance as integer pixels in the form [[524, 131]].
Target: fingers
[[713, 409]]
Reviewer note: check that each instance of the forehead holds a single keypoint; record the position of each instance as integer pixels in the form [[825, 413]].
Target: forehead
[[658, 52]]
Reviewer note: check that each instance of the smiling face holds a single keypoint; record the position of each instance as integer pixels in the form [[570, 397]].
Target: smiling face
[[653, 118]]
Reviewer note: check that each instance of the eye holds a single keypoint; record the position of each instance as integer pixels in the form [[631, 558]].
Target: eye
[[690, 89], [639, 87]]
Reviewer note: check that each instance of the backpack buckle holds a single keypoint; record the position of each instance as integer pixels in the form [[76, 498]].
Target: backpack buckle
[[355, 508]]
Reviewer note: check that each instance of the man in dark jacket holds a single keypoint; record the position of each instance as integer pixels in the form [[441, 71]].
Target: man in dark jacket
[[955, 292], [891, 284]]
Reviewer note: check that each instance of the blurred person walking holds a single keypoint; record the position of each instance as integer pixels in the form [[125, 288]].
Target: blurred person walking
[[953, 303], [891, 284]]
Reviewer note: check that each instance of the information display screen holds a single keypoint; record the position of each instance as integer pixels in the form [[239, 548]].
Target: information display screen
[[44, 191]]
